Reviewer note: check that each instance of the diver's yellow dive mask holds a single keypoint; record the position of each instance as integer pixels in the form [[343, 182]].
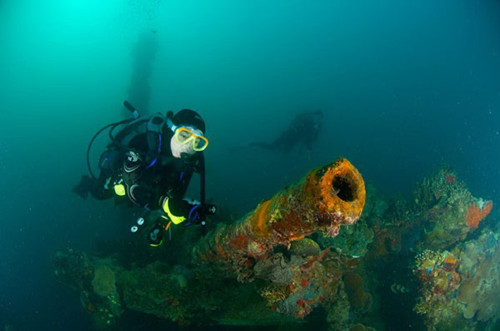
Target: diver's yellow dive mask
[[185, 135]]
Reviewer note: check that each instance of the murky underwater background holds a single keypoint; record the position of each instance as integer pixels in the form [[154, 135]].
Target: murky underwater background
[[405, 88]]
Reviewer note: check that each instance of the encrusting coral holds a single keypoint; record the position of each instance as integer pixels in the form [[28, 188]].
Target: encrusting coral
[[480, 293]]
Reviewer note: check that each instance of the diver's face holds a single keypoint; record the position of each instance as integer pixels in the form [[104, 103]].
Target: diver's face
[[186, 141], [178, 149]]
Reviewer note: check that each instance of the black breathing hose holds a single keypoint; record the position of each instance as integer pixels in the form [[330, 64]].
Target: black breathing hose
[[133, 110], [96, 135]]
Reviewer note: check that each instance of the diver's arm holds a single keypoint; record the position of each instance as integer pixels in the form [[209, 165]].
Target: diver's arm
[[175, 206], [101, 188], [181, 211], [94, 186]]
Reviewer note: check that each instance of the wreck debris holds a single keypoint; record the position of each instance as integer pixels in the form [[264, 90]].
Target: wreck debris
[[287, 258]]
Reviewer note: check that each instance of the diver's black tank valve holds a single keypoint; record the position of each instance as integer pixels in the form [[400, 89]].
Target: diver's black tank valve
[[131, 108]]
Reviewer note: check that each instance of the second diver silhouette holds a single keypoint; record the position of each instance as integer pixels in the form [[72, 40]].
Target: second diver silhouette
[[302, 131]]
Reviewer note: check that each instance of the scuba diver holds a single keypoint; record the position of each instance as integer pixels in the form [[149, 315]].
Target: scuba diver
[[303, 130], [149, 163]]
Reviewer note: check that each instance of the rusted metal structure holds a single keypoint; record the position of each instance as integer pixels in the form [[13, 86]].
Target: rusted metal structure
[[323, 200]]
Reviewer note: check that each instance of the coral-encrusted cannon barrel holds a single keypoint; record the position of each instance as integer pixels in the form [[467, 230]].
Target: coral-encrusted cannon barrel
[[325, 199]]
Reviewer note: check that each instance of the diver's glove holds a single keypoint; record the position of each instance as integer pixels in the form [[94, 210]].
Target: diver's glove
[[84, 186], [179, 210]]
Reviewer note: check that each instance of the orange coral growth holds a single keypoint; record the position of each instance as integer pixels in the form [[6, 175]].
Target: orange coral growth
[[476, 214], [450, 260], [297, 237], [347, 186], [240, 241], [261, 212]]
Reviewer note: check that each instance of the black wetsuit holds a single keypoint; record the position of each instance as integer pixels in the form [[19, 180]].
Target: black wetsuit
[[145, 180]]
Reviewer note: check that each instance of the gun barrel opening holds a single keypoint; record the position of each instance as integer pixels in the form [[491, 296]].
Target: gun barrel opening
[[344, 187]]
